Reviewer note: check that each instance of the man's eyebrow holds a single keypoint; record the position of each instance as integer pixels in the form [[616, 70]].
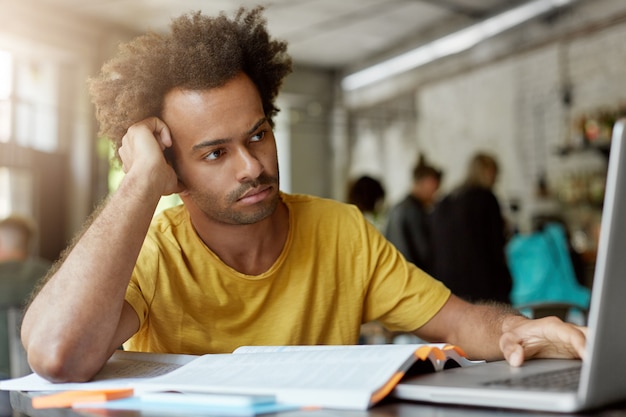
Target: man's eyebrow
[[257, 125], [209, 143], [216, 142]]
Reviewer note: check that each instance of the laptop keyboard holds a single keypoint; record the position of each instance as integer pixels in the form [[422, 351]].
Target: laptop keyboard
[[561, 380]]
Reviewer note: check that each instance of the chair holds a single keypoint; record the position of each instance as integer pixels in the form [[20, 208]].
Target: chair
[[544, 281], [565, 311], [17, 355]]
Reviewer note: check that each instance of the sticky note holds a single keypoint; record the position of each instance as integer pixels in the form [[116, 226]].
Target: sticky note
[[67, 398]]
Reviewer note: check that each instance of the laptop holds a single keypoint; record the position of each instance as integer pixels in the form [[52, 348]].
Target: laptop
[[602, 376]]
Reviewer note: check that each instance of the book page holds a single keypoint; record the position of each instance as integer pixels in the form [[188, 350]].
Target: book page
[[435, 356], [357, 367], [121, 370], [140, 365], [295, 348]]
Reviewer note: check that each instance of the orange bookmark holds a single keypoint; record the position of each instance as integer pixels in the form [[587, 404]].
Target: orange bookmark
[[67, 398]]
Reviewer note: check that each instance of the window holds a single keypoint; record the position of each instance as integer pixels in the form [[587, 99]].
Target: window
[[36, 108], [16, 191], [6, 81], [29, 108]]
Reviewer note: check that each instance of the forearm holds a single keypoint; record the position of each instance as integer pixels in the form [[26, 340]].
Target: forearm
[[476, 328], [483, 328], [71, 326]]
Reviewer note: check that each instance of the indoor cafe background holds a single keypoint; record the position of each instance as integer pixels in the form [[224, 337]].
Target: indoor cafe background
[[537, 95]]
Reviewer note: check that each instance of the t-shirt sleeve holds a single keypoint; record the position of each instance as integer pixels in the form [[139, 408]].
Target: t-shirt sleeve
[[399, 295]]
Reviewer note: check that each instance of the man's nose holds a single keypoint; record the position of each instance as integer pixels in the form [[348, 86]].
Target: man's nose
[[248, 165]]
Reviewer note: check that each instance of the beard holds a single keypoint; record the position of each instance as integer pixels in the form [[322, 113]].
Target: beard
[[223, 210]]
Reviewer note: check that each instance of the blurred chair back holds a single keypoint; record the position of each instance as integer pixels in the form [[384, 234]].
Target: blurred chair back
[[17, 355], [543, 273], [565, 311]]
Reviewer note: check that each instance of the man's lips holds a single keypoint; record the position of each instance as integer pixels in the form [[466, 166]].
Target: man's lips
[[255, 194]]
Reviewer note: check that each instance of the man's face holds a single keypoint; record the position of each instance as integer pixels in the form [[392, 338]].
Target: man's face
[[225, 152], [432, 185], [428, 187]]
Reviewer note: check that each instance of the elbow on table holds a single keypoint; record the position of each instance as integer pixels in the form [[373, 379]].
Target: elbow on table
[[61, 365]]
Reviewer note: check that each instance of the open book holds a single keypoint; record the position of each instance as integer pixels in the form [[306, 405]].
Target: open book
[[342, 377]]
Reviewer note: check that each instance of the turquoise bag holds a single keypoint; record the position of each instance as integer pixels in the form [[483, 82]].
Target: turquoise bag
[[542, 269]]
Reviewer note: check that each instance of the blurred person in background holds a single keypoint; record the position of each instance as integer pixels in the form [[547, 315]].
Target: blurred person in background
[[469, 236], [368, 194], [408, 221], [19, 273]]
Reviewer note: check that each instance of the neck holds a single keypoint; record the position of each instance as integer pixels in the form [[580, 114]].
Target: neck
[[250, 249]]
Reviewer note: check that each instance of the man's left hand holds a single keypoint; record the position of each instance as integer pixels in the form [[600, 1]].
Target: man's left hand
[[547, 337]]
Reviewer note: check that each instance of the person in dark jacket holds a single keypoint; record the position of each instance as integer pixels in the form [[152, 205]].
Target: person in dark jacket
[[407, 222], [469, 237]]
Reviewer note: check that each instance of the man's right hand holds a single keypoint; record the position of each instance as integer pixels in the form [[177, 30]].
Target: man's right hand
[[142, 155]]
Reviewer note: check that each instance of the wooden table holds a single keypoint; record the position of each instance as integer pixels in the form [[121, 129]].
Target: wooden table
[[21, 403]]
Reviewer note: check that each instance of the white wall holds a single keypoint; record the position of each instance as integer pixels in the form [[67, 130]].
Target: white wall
[[511, 102], [514, 109]]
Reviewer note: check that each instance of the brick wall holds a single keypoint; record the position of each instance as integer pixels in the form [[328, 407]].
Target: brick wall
[[516, 109]]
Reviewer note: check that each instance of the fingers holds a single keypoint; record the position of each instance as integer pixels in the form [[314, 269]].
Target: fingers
[[579, 342], [123, 153], [143, 156], [155, 128], [140, 140], [161, 132], [512, 349], [543, 338]]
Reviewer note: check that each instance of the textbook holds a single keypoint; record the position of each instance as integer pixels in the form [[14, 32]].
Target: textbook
[[341, 377]]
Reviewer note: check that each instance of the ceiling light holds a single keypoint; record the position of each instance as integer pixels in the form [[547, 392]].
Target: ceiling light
[[451, 44]]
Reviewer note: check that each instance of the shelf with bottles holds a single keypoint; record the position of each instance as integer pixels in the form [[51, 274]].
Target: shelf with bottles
[[579, 188], [593, 130], [582, 187]]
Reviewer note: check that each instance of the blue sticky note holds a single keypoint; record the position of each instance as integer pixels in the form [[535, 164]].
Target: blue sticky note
[[179, 407]]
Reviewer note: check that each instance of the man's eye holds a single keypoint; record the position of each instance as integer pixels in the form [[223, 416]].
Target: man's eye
[[257, 137], [214, 155]]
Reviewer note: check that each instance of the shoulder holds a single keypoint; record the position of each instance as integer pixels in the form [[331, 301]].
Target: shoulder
[[411, 203], [171, 225], [470, 195], [307, 204], [307, 199], [323, 217], [405, 208], [476, 192], [171, 217]]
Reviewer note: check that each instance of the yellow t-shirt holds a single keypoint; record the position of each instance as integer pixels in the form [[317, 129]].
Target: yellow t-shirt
[[335, 272]]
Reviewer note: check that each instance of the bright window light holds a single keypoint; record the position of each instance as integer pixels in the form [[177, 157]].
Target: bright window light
[[450, 44], [6, 74], [6, 83]]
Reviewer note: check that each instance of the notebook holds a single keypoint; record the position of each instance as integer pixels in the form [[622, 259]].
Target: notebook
[[602, 376]]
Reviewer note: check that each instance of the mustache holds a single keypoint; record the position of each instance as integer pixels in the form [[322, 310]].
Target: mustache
[[263, 179]]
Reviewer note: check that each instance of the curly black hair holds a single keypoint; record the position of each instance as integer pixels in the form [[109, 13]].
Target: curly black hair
[[365, 193], [200, 52]]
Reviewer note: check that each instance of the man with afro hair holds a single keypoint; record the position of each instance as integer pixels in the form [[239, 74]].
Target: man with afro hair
[[239, 262]]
